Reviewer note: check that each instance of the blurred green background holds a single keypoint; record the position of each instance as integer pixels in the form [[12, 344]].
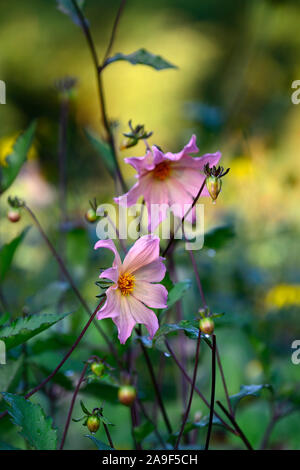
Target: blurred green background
[[236, 63]]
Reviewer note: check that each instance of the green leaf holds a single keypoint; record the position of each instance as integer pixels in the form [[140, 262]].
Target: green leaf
[[218, 237], [177, 292], [104, 150], [22, 329], [7, 252], [143, 57], [247, 391], [142, 431], [36, 428], [47, 297], [105, 421], [10, 374], [99, 444], [4, 446], [17, 158], [187, 326], [67, 7]]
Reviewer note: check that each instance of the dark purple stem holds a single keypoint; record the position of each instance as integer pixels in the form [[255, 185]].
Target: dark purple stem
[[240, 432], [213, 390]]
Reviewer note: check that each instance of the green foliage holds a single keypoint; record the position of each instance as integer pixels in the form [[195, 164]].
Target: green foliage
[[10, 374], [99, 444], [17, 158], [22, 329], [218, 237], [67, 7], [177, 292], [34, 426], [7, 252], [143, 57], [247, 391], [47, 297], [143, 430], [104, 150]]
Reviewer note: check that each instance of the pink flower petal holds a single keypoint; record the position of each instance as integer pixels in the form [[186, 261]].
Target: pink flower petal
[[144, 251], [157, 193], [133, 311], [109, 244], [191, 180], [179, 199], [152, 295], [138, 190], [154, 272], [125, 321], [191, 147], [198, 162], [141, 164], [112, 306], [110, 273]]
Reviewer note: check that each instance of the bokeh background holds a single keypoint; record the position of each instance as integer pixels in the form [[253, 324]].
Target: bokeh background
[[236, 63]]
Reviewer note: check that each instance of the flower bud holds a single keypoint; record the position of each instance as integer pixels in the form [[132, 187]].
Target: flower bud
[[127, 395], [214, 185], [91, 215], [206, 326], [98, 368], [14, 215], [93, 423]]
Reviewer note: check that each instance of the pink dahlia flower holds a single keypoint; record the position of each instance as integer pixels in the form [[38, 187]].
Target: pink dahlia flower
[[168, 179], [133, 289]]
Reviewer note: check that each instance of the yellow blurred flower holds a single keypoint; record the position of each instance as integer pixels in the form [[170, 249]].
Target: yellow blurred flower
[[6, 148], [283, 295], [242, 168]]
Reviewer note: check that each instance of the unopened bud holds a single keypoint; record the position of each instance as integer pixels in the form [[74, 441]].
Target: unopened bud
[[214, 186], [98, 368], [127, 395], [91, 215], [206, 326], [14, 215], [93, 423]]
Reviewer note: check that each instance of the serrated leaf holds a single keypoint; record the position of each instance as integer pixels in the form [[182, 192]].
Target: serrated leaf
[[22, 329], [36, 428], [7, 252], [16, 159], [143, 57], [9, 373], [67, 7], [218, 237], [104, 150], [247, 391], [99, 444], [142, 431]]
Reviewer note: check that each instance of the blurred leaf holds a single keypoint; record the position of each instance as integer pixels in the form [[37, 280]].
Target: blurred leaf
[[17, 158], [9, 373], [166, 329], [84, 409], [104, 150], [105, 421], [99, 444], [218, 237], [142, 431], [67, 7], [4, 318], [49, 296], [247, 391], [4, 446], [177, 291], [36, 428], [143, 57], [7, 252], [22, 329]]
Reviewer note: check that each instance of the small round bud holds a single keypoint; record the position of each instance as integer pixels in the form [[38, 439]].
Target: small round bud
[[214, 186], [91, 216], [98, 368], [93, 423], [127, 395], [206, 326], [14, 215]]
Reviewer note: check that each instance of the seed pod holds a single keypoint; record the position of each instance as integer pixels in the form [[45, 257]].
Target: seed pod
[[91, 216], [214, 185], [206, 326], [98, 368], [93, 423], [127, 395], [14, 215]]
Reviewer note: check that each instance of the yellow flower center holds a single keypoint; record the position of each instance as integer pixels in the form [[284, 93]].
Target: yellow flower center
[[162, 171], [126, 283]]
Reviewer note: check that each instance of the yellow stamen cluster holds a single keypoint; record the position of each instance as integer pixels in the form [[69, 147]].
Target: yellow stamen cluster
[[162, 171], [126, 283]]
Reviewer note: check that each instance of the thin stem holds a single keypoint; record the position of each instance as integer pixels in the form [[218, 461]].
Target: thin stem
[[183, 219], [69, 278], [233, 421], [155, 385], [224, 382], [198, 280], [47, 379], [213, 391], [188, 379], [98, 70], [108, 435], [191, 393], [143, 410], [81, 378], [134, 423], [114, 30]]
